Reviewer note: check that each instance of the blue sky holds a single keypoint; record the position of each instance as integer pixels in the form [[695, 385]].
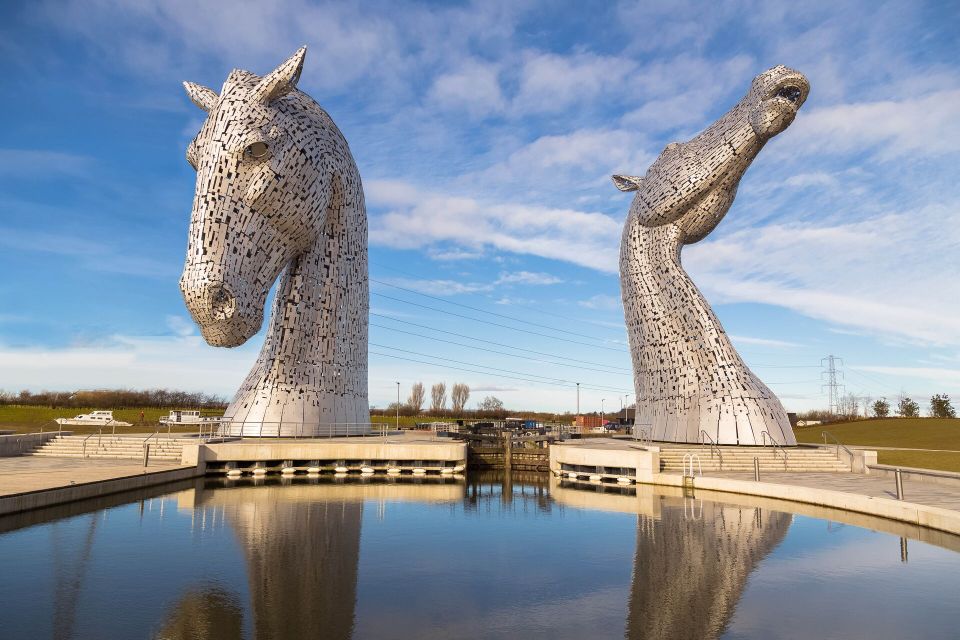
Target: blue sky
[[485, 134]]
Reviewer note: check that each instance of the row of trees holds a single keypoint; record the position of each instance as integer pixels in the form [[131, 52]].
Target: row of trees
[[940, 407], [849, 407], [489, 407], [115, 399]]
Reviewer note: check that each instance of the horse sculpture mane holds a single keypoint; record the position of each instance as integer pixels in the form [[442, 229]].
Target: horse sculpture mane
[[278, 194], [691, 384]]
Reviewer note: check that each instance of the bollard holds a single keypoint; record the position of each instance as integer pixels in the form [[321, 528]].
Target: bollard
[[146, 454], [899, 484], [756, 469]]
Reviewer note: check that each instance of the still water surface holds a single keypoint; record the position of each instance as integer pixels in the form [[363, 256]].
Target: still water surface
[[482, 559]]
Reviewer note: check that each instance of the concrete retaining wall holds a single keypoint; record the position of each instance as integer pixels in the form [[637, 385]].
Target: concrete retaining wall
[[18, 444], [49, 497], [646, 460]]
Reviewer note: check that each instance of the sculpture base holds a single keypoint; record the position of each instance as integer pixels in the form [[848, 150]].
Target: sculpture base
[[295, 413], [744, 421]]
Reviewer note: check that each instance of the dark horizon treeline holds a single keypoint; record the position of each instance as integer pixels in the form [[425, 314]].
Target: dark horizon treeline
[[115, 399]]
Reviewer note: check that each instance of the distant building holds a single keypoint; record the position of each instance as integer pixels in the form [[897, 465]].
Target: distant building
[[589, 422]]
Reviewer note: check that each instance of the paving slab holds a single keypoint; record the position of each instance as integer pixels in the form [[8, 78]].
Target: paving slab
[[945, 497], [32, 473]]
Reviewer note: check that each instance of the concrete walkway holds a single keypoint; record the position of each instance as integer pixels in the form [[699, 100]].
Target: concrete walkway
[[932, 495], [28, 473]]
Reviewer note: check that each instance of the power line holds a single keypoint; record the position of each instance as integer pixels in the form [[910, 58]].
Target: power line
[[495, 324], [535, 310], [444, 366], [481, 366], [503, 353], [499, 344], [492, 313]]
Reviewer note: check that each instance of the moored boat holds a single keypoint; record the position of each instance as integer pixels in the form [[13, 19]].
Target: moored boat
[[189, 417], [95, 418]]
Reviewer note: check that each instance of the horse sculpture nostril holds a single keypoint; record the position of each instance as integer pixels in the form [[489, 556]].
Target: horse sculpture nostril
[[222, 303]]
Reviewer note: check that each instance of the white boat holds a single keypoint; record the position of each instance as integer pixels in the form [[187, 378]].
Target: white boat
[[96, 418], [189, 417]]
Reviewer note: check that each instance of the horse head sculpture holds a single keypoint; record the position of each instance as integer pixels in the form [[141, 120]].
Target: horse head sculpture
[[278, 194], [691, 384]]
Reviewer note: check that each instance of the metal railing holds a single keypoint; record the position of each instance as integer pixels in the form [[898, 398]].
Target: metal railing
[[643, 433], [293, 429], [155, 435], [688, 458], [764, 436], [840, 445], [713, 446], [99, 433]]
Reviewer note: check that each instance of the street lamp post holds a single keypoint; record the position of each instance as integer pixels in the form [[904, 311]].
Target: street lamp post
[[398, 406], [601, 411]]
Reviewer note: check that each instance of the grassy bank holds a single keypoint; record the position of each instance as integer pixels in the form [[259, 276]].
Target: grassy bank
[[908, 433], [30, 419], [911, 433]]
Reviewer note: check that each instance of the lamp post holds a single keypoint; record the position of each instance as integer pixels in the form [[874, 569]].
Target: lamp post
[[398, 406], [576, 418], [601, 411]]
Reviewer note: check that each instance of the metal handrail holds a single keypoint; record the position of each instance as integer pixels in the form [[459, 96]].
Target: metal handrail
[[713, 446], [83, 451], [776, 445], [840, 445], [146, 441], [689, 457]]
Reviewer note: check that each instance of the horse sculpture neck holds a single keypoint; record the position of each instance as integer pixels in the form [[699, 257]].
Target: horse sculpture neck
[[688, 377], [312, 369]]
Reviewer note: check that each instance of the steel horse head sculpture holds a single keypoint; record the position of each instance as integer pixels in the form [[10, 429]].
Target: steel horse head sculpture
[[278, 194], [691, 384]]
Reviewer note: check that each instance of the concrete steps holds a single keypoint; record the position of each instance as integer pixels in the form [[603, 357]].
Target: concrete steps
[[112, 447], [741, 459]]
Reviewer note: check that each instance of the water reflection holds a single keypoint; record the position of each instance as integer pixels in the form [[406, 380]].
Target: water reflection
[[692, 557], [495, 556]]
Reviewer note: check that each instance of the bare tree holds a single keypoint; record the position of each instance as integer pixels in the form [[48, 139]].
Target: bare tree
[[438, 397], [417, 394], [459, 394]]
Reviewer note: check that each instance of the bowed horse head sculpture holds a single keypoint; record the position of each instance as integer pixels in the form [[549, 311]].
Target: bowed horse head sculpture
[[278, 194], [691, 384]]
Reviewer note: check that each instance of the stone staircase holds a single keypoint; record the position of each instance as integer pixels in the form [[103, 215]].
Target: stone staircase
[[741, 459], [112, 447]]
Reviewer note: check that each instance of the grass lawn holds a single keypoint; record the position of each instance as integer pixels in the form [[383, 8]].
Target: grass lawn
[[32, 419], [911, 433], [942, 460]]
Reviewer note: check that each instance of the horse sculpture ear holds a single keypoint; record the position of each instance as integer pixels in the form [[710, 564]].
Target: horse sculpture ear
[[201, 96], [281, 80], [627, 183]]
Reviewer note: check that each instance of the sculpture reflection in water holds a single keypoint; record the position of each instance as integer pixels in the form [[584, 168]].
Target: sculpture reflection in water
[[301, 547], [692, 565], [692, 557]]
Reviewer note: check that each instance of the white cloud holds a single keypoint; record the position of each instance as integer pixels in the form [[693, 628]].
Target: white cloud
[[886, 275], [180, 326], [764, 342], [416, 219], [474, 88], [42, 164], [551, 82], [184, 362], [926, 125], [528, 277], [601, 301], [936, 375]]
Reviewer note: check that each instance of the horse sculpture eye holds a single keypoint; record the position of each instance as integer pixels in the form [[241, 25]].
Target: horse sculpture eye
[[256, 151], [789, 92]]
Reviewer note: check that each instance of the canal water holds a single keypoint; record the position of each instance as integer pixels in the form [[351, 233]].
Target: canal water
[[523, 557]]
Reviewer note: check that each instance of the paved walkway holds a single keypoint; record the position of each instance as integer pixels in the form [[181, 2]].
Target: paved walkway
[[934, 495], [32, 473]]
